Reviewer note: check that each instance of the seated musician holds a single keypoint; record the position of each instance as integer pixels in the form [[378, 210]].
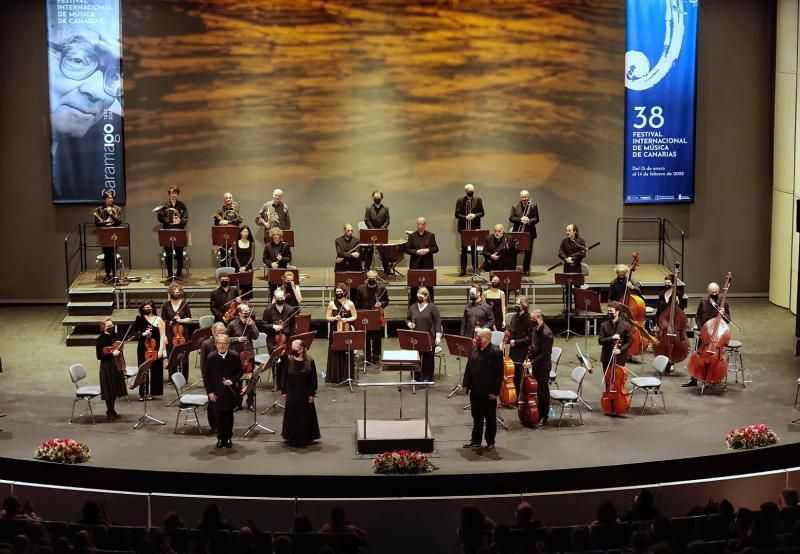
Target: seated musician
[[222, 297], [376, 216], [348, 254], [372, 296], [277, 254], [612, 329], [421, 247], [500, 251], [707, 309], [275, 324], [108, 215], [617, 287]]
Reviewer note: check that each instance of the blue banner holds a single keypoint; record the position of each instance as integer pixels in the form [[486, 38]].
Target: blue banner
[[86, 123], [660, 70]]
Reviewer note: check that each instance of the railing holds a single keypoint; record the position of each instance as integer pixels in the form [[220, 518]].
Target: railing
[[73, 250], [86, 246], [669, 253], [655, 232]]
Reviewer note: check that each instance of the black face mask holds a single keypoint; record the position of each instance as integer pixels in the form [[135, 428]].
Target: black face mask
[[714, 297], [495, 285], [667, 285], [174, 295], [473, 297], [371, 282], [224, 284], [470, 194], [377, 201], [295, 353], [610, 315], [147, 310], [420, 299], [340, 295], [280, 302], [518, 309]]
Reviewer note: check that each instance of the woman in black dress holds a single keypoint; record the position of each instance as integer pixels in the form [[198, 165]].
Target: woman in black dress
[[244, 251], [300, 425], [176, 311], [112, 383], [149, 325], [341, 312]]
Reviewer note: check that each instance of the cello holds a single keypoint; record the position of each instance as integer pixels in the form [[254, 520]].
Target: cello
[[672, 340], [708, 363], [508, 392], [527, 402], [638, 310], [615, 399]]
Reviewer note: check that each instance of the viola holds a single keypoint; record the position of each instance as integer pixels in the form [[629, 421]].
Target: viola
[[527, 405], [615, 399], [672, 340], [708, 363], [178, 337], [119, 361], [639, 341], [246, 358], [508, 392], [150, 352]]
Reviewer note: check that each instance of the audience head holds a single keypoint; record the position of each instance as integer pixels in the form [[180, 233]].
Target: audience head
[[91, 511], [607, 513], [789, 498], [283, 545], [471, 516], [726, 508], [337, 515], [302, 524], [524, 512], [212, 515], [11, 506], [173, 521]]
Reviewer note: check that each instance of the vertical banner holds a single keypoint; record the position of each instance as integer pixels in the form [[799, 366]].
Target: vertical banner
[[85, 75], [660, 69]]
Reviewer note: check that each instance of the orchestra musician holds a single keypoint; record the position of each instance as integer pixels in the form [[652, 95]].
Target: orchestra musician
[[423, 315], [299, 386], [112, 381], [108, 215], [421, 246], [611, 330], [150, 325], [174, 312], [707, 309], [665, 297], [277, 254], [340, 314], [500, 251], [469, 211], [524, 217], [376, 216], [540, 361], [274, 213], [572, 250], [348, 254], [173, 215], [223, 296], [372, 296], [274, 318], [228, 214], [617, 287], [291, 290], [223, 372], [477, 314], [519, 330], [207, 347], [495, 298], [244, 252], [483, 377], [242, 331]]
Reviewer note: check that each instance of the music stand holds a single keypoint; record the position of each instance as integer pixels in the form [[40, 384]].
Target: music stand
[[176, 357], [239, 278], [459, 347], [252, 385], [415, 340], [288, 237], [568, 280], [523, 239], [418, 278], [373, 238], [349, 341], [223, 236], [353, 280], [172, 239], [275, 275], [510, 280], [474, 238], [368, 320], [115, 237], [144, 371], [590, 302]]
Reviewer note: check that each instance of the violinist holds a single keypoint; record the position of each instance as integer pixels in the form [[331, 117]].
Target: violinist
[[223, 296], [423, 315], [340, 314], [617, 287], [611, 330], [173, 215], [207, 347], [707, 309], [372, 296], [275, 325], [572, 250], [277, 253], [152, 344], [421, 247], [500, 250], [495, 297], [525, 216], [477, 314], [177, 315], [348, 251], [242, 331], [519, 330], [108, 215], [541, 362], [469, 211], [112, 381], [291, 290], [483, 377]]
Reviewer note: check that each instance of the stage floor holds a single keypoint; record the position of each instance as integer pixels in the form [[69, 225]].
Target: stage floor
[[37, 395]]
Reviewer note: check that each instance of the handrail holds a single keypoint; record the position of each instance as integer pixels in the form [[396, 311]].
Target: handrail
[[70, 256], [666, 243], [638, 220]]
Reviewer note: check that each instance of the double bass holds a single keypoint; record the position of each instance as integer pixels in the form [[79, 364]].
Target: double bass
[[508, 392], [672, 340], [635, 303], [616, 399], [708, 363], [527, 403]]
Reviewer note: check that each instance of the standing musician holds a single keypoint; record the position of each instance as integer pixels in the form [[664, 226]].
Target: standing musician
[[174, 312], [108, 215], [541, 362], [244, 252], [277, 253], [495, 298], [483, 377], [665, 297], [274, 318], [477, 314], [519, 330], [274, 213], [207, 347], [611, 330], [348, 252], [572, 250], [500, 250], [423, 315], [150, 326], [228, 214], [291, 290], [421, 247], [223, 296], [112, 382], [223, 371], [242, 331], [299, 386], [617, 287], [524, 216], [340, 314], [372, 296], [469, 211], [174, 215], [707, 309], [376, 216]]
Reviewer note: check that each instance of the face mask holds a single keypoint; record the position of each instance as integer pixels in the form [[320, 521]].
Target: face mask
[[610, 315], [280, 302], [224, 283], [667, 285], [420, 299], [340, 295], [714, 297], [518, 309], [376, 200], [175, 295], [495, 285], [470, 194], [371, 282], [295, 353], [148, 310], [473, 296]]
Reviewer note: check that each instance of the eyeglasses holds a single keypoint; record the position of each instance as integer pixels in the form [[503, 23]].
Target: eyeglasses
[[79, 62]]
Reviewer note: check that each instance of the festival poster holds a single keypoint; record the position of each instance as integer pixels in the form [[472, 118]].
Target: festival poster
[[86, 118], [660, 77]]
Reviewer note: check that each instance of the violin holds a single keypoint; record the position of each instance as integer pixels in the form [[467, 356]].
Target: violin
[[615, 399], [150, 351], [508, 392], [673, 342], [527, 403], [639, 340], [280, 336], [178, 337], [708, 363], [119, 361]]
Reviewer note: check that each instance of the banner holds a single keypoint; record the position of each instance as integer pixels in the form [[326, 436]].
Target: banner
[[86, 123], [660, 69]]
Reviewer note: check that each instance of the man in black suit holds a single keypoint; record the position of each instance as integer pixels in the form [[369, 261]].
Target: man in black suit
[[223, 369], [483, 377], [469, 211], [421, 247], [348, 254], [524, 217]]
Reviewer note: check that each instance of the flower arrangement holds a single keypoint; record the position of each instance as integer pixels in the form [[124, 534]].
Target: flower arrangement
[[402, 461], [751, 436], [63, 451]]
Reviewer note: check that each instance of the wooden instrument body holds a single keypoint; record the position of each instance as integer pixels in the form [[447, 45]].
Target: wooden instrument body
[[616, 399], [119, 361], [508, 392], [672, 340], [638, 309], [527, 404], [708, 362]]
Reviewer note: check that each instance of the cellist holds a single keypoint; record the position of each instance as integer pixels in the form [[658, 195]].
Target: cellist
[[613, 329], [519, 337], [275, 321], [707, 310], [617, 287], [540, 355]]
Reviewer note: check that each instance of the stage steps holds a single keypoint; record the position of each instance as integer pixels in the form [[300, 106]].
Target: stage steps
[[84, 310]]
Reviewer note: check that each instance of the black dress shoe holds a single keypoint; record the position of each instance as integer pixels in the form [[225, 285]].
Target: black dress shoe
[[690, 383], [471, 444], [489, 447], [219, 443], [462, 273], [229, 444]]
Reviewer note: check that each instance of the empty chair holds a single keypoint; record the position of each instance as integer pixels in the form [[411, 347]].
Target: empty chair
[[220, 270], [206, 321], [555, 357], [187, 402], [187, 262], [76, 374], [497, 338], [651, 385], [570, 398]]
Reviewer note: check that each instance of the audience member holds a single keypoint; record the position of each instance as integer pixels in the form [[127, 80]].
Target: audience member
[[247, 541], [301, 524], [579, 538], [606, 515], [642, 508], [94, 514], [339, 524], [525, 517], [789, 502], [283, 545], [212, 519], [82, 543], [475, 530]]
